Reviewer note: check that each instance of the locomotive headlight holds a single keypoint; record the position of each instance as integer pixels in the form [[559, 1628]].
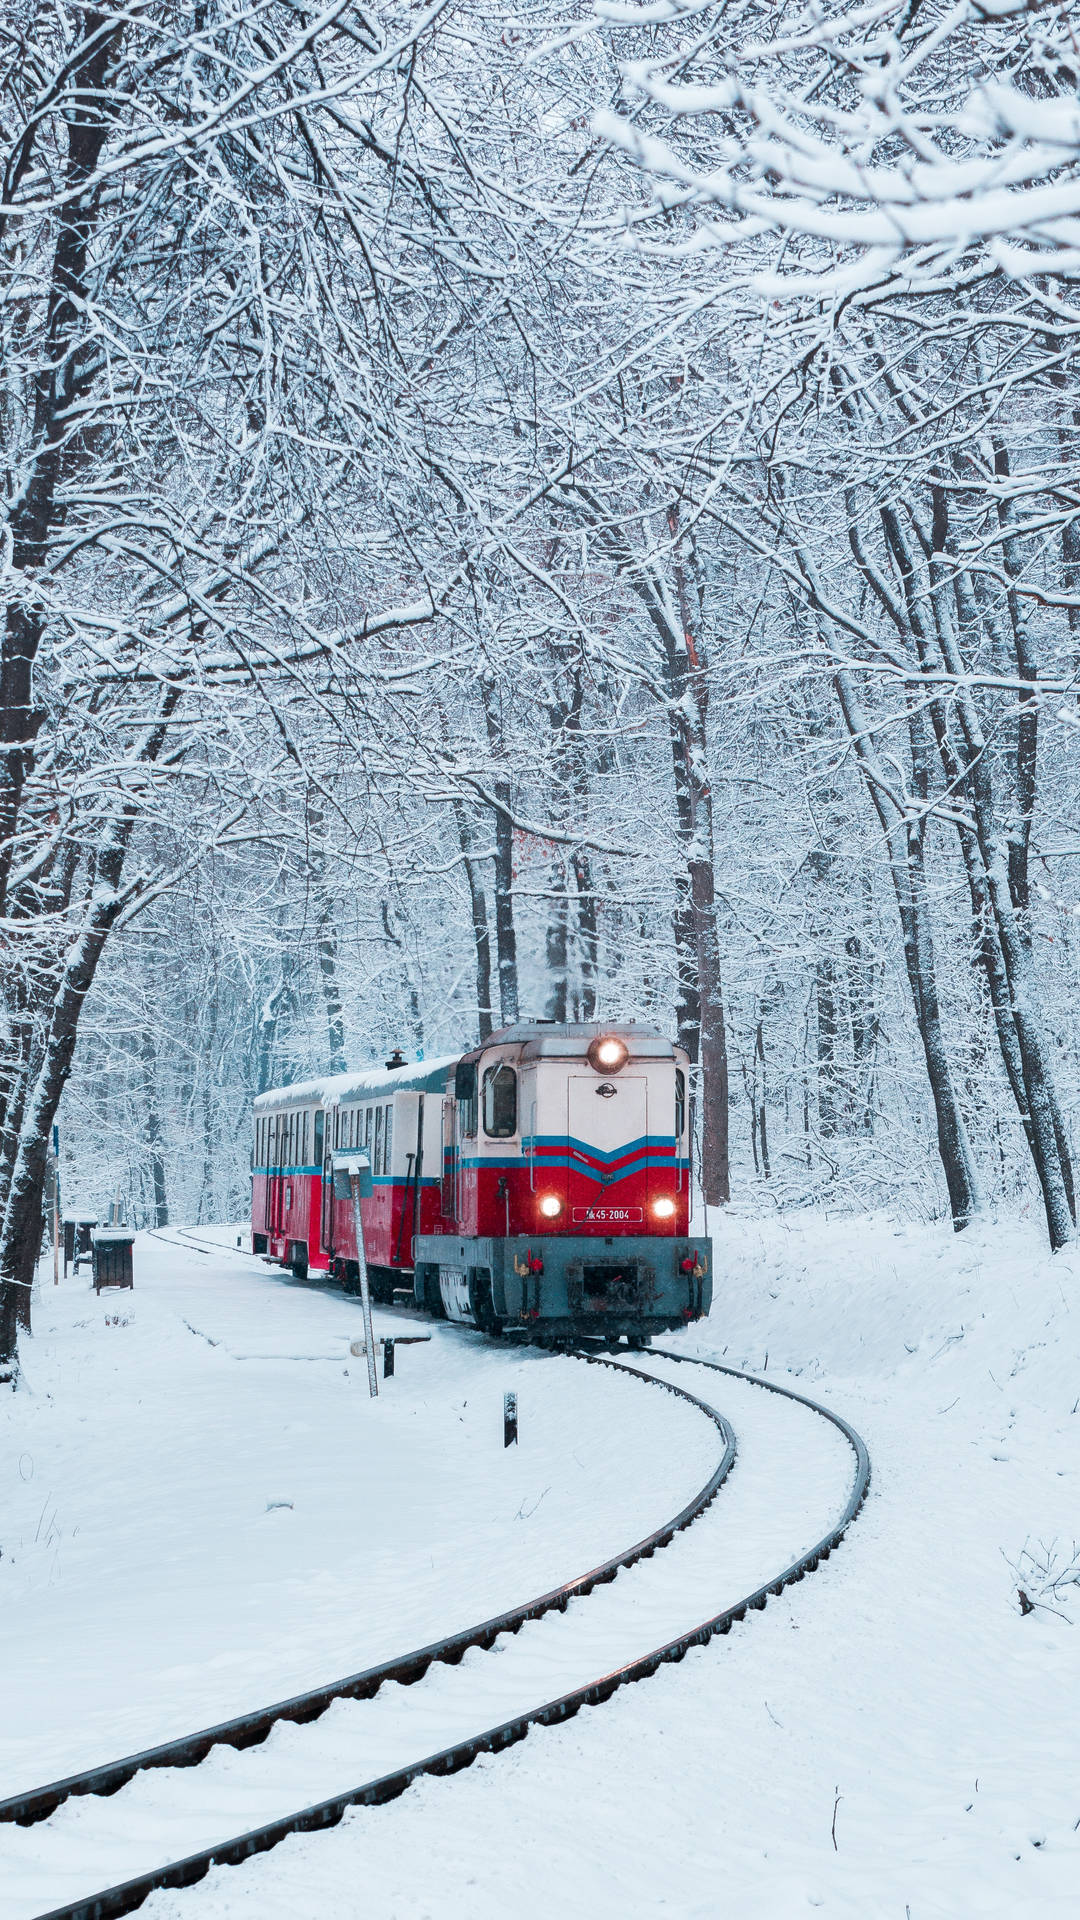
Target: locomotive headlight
[[550, 1205], [663, 1209], [607, 1053]]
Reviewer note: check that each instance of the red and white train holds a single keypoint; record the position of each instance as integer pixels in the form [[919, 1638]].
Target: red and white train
[[538, 1185]]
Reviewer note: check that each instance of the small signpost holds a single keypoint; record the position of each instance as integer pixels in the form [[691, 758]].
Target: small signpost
[[352, 1178], [510, 1420]]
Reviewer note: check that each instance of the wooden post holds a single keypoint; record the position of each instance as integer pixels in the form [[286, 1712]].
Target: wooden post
[[365, 1290], [510, 1420], [388, 1359]]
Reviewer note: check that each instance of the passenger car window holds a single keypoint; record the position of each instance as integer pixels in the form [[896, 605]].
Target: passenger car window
[[500, 1101]]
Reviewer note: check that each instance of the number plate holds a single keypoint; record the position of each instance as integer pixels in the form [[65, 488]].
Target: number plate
[[607, 1216]]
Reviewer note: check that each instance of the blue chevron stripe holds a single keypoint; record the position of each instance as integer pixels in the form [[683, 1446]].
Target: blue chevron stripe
[[644, 1164], [544, 1145]]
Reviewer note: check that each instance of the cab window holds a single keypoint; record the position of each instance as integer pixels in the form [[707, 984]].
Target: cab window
[[680, 1103], [500, 1101]]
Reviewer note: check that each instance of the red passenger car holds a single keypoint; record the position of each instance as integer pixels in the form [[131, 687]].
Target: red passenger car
[[395, 1115]]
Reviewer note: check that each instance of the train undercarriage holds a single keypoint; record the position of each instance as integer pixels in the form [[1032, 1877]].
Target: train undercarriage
[[576, 1287]]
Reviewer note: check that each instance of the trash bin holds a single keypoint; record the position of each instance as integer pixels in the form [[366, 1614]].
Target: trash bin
[[112, 1257], [78, 1228]]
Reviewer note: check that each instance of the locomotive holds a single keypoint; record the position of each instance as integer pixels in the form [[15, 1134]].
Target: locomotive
[[537, 1186]]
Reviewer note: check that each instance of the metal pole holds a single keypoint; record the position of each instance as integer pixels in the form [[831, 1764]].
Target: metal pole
[[365, 1291]]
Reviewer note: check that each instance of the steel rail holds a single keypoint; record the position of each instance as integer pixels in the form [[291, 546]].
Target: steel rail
[[192, 1243], [129, 1895], [250, 1729]]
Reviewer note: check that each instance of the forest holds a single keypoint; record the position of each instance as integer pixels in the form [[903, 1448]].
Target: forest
[[541, 511]]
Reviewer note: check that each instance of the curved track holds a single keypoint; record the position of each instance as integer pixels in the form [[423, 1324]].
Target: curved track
[[598, 1641], [248, 1730]]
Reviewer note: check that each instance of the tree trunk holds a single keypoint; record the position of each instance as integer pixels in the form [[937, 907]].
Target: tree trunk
[[865, 1031], [556, 950], [505, 936], [586, 935], [20, 1222], [906, 854], [827, 1028], [57, 389], [688, 671], [480, 931], [325, 935], [1003, 886], [761, 1127], [20, 1231], [506, 966], [152, 1126]]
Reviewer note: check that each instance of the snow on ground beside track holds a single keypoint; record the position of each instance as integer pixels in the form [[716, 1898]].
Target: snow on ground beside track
[[201, 1511], [891, 1738], [793, 1467]]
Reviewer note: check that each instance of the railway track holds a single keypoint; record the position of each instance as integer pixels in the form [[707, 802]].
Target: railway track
[[420, 1715], [198, 1243]]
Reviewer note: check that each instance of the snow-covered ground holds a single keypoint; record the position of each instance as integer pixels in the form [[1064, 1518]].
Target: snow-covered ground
[[202, 1511], [892, 1737]]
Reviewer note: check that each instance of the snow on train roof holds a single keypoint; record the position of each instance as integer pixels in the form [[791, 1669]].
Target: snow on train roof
[[368, 1083], [566, 1039]]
